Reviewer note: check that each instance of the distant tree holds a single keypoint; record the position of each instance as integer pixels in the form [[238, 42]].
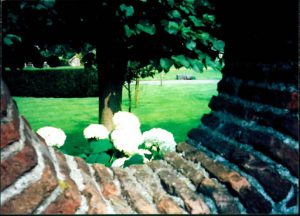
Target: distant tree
[[160, 33]]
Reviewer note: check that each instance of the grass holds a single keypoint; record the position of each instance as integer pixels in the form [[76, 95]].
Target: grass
[[171, 75], [176, 108]]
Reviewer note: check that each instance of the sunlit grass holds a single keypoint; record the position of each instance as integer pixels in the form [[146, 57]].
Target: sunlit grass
[[176, 108]]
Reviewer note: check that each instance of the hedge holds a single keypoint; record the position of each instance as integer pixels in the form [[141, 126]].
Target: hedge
[[53, 82]]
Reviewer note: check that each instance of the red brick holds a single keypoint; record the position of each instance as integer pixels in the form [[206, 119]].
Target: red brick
[[17, 165], [224, 202], [31, 197], [163, 202], [82, 165], [5, 99], [192, 201], [66, 203], [136, 199], [105, 179], [95, 202], [10, 129], [249, 196], [274, 184], [167, 206], [293, 104], [69, 201]]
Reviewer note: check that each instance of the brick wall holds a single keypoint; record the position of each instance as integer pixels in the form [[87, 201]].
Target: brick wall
[[254, 119], [243, 157]]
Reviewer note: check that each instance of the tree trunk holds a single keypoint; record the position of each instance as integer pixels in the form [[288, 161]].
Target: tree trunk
[[161, 78], [129, 97], [137, 91], [111, 71]]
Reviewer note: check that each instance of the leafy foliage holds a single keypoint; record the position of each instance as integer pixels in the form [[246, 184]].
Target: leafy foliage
[[134, 159]]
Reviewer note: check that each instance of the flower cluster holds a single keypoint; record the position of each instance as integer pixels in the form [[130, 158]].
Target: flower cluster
[[96, 131], [52, 136], [126, 144], [160, 138]]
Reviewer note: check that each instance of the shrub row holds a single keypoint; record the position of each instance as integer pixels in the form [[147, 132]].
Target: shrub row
[[53, 82]]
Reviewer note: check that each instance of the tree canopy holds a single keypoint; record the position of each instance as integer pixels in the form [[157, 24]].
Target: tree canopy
[[160, 33], [157, 32]]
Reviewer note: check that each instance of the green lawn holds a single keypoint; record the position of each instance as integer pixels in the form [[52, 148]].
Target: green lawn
[[176, 108], [171, 75]]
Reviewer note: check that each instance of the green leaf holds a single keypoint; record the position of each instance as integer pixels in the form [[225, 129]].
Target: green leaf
[[174, 14], [101, 145], [180, 59], [91, 158], [218, 45], [171, 3], [172, 27], [103, 158], [129, 32], [209, 18], [82, 155], [197, 22], [10, 39], [166, 63], [145, 26], [134, 159], [190, 44], [196, 65], [129, 10]]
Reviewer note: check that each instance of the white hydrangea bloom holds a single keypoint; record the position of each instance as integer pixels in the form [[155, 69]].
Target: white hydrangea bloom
[[97, 131], [161, 138], [127, 141], [119, 162], [125, 120], [52, 136]]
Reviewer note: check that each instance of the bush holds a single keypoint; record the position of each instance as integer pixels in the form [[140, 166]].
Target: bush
[[53, 82]]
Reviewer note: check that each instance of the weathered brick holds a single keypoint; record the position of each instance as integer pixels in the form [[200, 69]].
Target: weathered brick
[[273, 147], [146, 177], [134, 197], [193, 202], [257, 203], [166, 205], [294, 200], [285, 123], [106, 181], [10, 129], [182, 166], [3, 107], [277, 98], [262, 141], [17, 164], [276, 186], [224, 201], [5, 99], [95, 201], [82, 165], [66, 203], [69, 201], [210, 120], [110, 190], [28, 200]]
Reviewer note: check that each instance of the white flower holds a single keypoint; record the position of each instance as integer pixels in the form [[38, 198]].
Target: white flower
[[125, 120], [127, 141], [97, 131], [119, 162], [52, 136], [143, 151], [161, 138]]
